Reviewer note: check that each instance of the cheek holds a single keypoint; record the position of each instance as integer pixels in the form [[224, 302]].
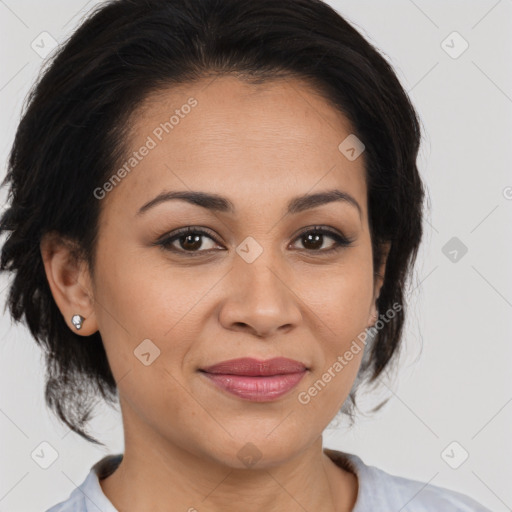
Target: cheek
[[341, 304], [324, 394], [140, 299], [144, 297], [147, 329], [340, 295]]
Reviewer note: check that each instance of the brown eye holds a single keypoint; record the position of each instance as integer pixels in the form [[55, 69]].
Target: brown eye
[[313, 240], [188, 241], [191, 242]]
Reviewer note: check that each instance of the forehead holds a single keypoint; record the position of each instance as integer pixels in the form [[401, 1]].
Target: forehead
[[230, 109], [224, 135]]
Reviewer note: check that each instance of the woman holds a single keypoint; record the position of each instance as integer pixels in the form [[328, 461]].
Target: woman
[[215, 207]]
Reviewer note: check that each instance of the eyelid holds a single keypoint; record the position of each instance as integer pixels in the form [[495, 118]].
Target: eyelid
[[172, 236]]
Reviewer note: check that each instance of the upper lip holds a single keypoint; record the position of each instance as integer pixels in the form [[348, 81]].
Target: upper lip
[[254, 367]]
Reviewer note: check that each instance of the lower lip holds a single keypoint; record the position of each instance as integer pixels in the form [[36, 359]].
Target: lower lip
[[257, 389]]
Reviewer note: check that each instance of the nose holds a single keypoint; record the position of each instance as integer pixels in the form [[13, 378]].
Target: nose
[[260, 298]]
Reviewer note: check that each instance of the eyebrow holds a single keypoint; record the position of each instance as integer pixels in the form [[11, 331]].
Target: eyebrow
[[221, 204]]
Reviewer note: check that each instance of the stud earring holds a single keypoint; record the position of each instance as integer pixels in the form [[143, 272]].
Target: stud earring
[[77, 320]]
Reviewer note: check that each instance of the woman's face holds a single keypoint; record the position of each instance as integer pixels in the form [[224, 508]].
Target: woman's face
[[253, 286]]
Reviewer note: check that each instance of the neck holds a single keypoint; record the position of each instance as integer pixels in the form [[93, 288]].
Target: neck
[[163, 477]]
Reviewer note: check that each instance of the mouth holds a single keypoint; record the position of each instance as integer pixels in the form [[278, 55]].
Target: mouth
[[250, 367], [255, 380]]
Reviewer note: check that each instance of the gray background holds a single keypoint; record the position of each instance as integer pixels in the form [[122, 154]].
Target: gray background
[[454, 383]]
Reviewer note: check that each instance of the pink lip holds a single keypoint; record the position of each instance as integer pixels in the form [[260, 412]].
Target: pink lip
[[254, 380], [254, 367]]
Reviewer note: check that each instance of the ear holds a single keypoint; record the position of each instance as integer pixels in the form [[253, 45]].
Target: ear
[[377, 284], [69, 281]]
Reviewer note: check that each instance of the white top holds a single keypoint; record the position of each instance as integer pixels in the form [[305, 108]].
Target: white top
[[378, 490]]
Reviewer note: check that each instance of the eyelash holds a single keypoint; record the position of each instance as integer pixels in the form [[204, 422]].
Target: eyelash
[[340, 241]]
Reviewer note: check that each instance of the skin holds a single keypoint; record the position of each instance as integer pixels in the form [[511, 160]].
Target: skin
[[259, 146]]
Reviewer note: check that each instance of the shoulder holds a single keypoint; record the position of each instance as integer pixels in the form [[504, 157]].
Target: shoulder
[[379, 490], [88, 496], [74, 503]]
